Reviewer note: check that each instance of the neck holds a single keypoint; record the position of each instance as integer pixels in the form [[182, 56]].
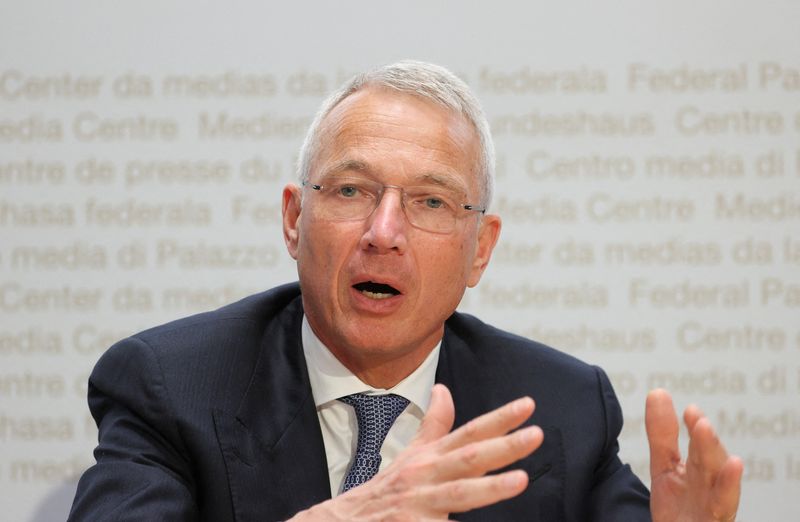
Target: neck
[[385, 374], [377, 360]]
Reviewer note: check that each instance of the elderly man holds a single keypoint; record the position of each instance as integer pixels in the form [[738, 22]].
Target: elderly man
[[360, 394]]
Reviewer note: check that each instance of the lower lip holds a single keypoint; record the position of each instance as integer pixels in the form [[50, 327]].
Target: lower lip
[[375, 306]]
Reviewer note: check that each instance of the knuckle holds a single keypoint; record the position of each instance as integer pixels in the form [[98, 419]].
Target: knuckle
[[520, 440], [401, 481], [497, 485], [470, 455], [471, 429], [409, 476], [456, 490], [506, 413]]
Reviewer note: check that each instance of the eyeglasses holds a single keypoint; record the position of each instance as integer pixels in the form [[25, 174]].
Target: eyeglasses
[[431, 208]]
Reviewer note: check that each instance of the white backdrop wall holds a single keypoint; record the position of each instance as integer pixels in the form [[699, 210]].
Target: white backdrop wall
[[648, 174]]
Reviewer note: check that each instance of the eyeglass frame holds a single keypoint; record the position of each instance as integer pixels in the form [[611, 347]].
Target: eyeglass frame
[[468, 207]]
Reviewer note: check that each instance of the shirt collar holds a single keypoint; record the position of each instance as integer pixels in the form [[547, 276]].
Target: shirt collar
[[330, 379]]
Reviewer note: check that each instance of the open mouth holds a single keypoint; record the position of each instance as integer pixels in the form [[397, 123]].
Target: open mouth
[[375, 290]]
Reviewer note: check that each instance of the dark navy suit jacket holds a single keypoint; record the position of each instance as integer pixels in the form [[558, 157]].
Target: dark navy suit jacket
[[212, 418]]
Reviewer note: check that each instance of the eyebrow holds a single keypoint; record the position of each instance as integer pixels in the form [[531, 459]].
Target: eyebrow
[[435, 178], [348, 164], [443, 181]]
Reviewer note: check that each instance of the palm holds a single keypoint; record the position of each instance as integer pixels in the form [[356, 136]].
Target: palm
[[670, 494]]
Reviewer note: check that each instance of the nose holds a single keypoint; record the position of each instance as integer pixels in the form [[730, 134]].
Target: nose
[[387, 226]]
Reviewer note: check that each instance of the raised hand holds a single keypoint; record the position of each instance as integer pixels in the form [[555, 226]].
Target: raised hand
[[705, 487], [443, 471]]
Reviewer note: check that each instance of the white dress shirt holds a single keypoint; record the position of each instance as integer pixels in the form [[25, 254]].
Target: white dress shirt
[[330, 379]]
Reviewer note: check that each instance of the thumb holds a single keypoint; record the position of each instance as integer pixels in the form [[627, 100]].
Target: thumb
[[438, 421]]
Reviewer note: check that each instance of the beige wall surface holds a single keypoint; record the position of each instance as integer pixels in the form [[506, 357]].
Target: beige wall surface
[[648, 178]]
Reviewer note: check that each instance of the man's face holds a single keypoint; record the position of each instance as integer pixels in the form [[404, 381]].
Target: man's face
[[400, 140]]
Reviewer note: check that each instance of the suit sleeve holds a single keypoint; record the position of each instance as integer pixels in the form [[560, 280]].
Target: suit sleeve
[[617, 493], [143, 471]]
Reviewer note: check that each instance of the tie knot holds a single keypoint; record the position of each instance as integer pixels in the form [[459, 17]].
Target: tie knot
[[376, 413]]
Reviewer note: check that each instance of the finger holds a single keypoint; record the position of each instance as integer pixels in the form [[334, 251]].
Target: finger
[[466, 494], [661, 423], [727, 489], [496, 423], [691, 415], [477, 458], [438, 421], [706, 454]]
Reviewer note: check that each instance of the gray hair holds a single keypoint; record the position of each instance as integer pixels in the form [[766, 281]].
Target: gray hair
[[425, 80]]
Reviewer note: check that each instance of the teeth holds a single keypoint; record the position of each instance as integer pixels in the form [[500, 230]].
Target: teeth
[[375, 295]]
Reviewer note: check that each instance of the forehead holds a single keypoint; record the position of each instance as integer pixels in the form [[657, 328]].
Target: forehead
[[406, 135]]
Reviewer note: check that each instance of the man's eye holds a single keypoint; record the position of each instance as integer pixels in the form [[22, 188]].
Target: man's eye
[[431, 202], [348, 191], [434, 202]]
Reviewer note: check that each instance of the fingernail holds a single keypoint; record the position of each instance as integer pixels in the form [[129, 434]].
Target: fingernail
[[515, 479], [522, 404]]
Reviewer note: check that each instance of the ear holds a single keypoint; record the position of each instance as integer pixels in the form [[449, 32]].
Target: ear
[[488, 233], [290, 209]]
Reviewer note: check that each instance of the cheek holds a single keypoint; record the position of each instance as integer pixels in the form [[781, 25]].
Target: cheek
[[450, 262], [324, 247]]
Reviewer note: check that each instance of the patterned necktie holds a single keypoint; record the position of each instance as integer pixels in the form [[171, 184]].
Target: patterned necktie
[[375, 415]]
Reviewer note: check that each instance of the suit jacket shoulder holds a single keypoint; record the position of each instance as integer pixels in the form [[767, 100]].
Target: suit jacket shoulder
[[204, 417]]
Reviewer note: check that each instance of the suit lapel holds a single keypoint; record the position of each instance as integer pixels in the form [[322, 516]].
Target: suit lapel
[[458, 369], [272, 445], [479, 381]]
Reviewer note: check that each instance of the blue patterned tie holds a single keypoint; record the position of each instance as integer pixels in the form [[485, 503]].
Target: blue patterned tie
[[375, 415]]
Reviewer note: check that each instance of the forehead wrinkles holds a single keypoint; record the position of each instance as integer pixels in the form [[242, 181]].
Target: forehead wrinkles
[[400, 124]]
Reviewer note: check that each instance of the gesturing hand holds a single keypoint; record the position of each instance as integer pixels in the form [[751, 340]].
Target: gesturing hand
[[706, 486], [443, 471]]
